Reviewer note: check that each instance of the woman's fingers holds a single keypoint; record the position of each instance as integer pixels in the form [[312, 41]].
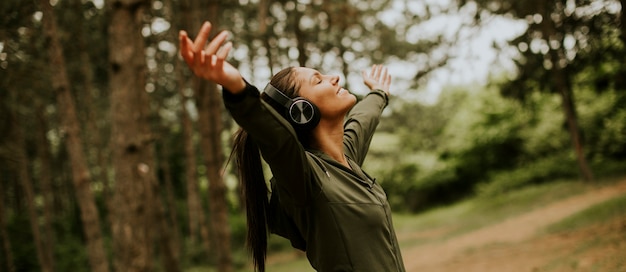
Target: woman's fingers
[[377, 78], [215, 44], [198, 44], [202, 37], [185, 49], [222, 53], [376, 72], [384, 75]]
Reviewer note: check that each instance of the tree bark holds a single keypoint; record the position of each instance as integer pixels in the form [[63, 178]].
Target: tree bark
[[43, 255], [198, 230], [195, 214], [209, 104], [80, 172], [132, 143], [620, 80], [4, 237], [301, 40], [264, 7], [209, 116], [562, 84], [94, 133], [623, 22], [197, 220], [166, 232], [171, 202], [45, 177]]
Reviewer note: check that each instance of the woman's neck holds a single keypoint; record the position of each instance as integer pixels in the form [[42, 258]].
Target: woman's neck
[[328, 138]]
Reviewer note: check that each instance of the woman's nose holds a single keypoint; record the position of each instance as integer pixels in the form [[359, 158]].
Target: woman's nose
[[334, 79]]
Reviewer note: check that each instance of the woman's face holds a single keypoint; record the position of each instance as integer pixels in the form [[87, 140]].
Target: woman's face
[[325, 92]]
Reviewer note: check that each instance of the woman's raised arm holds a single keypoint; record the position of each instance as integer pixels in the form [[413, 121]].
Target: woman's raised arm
[[210, 62]]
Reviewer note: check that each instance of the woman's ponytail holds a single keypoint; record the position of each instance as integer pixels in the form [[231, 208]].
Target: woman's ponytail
[[254, 193]]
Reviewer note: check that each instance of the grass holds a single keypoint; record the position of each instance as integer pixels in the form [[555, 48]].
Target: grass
[[599, 213], [475, 213]]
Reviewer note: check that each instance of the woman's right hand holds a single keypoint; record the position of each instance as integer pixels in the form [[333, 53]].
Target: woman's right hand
[[377, 78], [209, 63]]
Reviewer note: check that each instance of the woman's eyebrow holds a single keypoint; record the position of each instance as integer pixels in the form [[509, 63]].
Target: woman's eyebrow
[[316, 74]]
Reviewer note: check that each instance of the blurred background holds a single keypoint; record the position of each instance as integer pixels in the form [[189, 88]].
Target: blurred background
[[113, 157]]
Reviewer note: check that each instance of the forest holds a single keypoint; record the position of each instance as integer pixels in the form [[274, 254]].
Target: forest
[[115, 157]]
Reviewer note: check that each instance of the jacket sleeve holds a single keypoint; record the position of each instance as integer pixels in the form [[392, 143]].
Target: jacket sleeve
[[277, 142], [361, 124]]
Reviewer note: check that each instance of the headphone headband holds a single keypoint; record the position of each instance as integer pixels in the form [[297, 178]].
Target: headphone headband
[[277, 95]]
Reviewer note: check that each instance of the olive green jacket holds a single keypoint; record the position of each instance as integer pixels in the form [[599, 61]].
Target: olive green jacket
[[339, 216]]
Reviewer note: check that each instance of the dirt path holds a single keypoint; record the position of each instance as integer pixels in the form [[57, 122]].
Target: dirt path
[[517, 230]]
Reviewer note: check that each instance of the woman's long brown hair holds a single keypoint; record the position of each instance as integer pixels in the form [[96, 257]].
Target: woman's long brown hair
[[253, 187]]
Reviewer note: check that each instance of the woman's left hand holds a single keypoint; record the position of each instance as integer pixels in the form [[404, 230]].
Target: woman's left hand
[[210, 62], [377, 78]]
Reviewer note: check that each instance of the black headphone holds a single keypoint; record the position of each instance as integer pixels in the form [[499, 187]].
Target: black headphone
[[301, 113]]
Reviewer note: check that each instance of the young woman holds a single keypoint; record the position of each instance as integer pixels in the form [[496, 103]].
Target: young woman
[[314, 137]]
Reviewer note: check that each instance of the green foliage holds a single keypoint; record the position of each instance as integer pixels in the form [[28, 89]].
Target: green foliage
[[71, 255], [419, 126], [546, 169], [544, 132], [397, 183], [604, 112], [483, 136]]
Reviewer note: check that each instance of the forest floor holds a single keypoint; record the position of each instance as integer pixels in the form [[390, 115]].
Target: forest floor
[[517, 243], [520, 243]]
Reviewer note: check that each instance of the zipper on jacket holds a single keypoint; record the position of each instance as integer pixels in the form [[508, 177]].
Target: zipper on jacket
[[317, 160]]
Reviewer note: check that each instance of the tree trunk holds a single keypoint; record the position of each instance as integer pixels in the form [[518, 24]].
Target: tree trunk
[[193, 194], [623, 22], [197, 221], [43, 253], [264, 7], [80, 172], [620, 80], [167, 230], [7, 164], [190, 18], [171, 202], [210, 119], [45, 176], [209, 104], [131, 141], [4, 237], [93, 136], [301, 40], [562, 84], [218, 203], [567, 98]]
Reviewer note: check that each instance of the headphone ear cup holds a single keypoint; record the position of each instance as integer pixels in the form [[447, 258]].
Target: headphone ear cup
[[303, 114]]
